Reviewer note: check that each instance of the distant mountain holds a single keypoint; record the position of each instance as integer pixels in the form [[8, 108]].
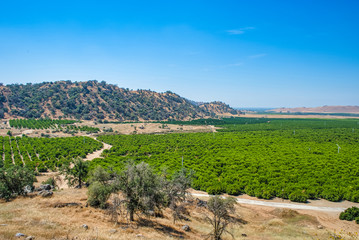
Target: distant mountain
[[98, 100], [324, 109]]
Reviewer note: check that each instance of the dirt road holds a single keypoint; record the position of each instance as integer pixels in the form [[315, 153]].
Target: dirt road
[[297, 206], [98, 153]]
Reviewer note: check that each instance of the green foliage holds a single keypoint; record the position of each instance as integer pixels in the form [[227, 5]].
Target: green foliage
[[39, 123], [261, 159], [350, 214], [13, 181], [298, 196], [99, 175], [42, 154], [98, 100], [100, 188], [98, 194], [141, 188], [76, 173]]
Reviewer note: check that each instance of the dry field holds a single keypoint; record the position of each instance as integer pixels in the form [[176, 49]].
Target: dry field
[[47, 218], [126, 128]]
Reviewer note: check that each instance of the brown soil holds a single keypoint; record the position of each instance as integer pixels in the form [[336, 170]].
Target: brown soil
[[98, 153], [126, 128]]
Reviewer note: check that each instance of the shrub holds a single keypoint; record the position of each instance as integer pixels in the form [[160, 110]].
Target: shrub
[[13, 181], [98, 194], [332, 195], [298, 196], [99, 175], [214, 190], [350, 214]]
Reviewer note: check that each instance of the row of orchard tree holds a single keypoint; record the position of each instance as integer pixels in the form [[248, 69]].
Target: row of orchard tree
[[298, 166], [39, 123], [42, 154]]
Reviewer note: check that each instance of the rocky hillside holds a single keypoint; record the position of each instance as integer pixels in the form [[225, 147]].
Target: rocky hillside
[[98, 100]]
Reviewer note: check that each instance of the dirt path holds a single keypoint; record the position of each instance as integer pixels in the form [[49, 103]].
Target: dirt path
[[98, 153], [324, 205], [61, 182]]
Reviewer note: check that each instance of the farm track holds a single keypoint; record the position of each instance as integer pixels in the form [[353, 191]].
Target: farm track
[[97, 154], [280, 205]]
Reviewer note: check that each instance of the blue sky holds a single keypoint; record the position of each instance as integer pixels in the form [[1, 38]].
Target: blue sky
[[245, 53]]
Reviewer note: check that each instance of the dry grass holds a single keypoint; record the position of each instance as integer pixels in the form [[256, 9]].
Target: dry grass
[[50, 218]]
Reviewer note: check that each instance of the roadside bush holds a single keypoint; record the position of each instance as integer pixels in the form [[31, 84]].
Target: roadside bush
[[332, 195], [298, 196], [214, 190], [350, 214], [13, 181]]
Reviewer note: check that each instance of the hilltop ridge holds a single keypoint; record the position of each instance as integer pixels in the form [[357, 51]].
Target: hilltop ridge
[[92, 100]]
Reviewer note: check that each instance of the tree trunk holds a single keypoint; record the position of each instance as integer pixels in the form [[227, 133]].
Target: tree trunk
[[131, 216], [80, 182]]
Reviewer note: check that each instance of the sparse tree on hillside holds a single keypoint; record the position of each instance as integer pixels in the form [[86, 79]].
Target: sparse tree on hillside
[[76, 172], [220, 218], [176, 192], [141, 188]]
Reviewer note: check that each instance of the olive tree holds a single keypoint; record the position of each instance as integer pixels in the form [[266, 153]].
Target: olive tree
[[100, 187], [141, 188]]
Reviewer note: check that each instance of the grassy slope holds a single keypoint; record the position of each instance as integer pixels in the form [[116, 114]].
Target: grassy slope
[[38, 217]]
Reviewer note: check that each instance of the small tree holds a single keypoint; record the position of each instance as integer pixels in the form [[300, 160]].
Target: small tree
[[176, 192], [220, 219], [100, 189], [13, 181], [76, 172], [100, 175], [141, 188], [98, 194]]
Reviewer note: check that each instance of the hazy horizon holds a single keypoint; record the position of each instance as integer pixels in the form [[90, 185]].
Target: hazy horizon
[[246, 54]]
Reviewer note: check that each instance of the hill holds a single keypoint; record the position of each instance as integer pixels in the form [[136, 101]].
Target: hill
[[98, 100], [323, 109], [63, 214]]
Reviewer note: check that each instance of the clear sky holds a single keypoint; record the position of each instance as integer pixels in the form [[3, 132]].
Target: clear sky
[[245, 53]]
